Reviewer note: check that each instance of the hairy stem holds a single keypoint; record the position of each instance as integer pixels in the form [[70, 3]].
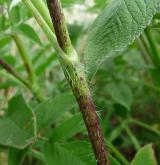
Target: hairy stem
[[75, 75]]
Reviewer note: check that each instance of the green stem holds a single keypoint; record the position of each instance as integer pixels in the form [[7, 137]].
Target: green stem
[[28, 65], [117, 153], [154, 54], [133, 138], [143, 49], [25, 58], [144, 125], [46, 29], [75, 75], [42, 9]]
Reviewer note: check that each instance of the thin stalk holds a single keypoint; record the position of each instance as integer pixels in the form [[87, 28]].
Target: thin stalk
[[144, 125], [17, 76], [14, 73], [134, 140], [75, 75], [117, 153], [154, 54], [42, 9], [36, 154], [28, 66], [143, 50], [24, 56], [132, 137], [46, 29]]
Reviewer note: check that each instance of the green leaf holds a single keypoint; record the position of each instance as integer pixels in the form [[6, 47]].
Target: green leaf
[[121, 93], [81, 149], [67, 2], [100, 3], [113, 161], [50, 110], [17, 127], [14, 15], [145, 156], [29, 32], [3, 23], [4, 41], [116, 27], [9, 59], [45, 64], [68, 128], [15, 156], [2, 2], [56, 154]]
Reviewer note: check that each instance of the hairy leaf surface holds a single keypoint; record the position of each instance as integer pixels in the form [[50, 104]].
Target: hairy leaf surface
[[116, 27]]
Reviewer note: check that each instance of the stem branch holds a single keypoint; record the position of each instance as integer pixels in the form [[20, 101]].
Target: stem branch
[[14, 73]]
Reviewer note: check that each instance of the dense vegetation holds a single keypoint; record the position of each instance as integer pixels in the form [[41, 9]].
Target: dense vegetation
[[118, 64]]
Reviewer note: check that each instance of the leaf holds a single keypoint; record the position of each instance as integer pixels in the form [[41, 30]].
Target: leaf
[[121, 93], [68, 128], [29, 32], [145, 156], [100, 3], [56, 154], [67, 2], [17, 127], [14, 15], [45, 64], [3, 23], [81, 149], [9, 59], [4, 41], [15, 156], [50, 110], [116, 27], [2, 2], [113, 161]]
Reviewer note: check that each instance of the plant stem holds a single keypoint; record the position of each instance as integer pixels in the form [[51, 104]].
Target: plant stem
[[14, 73], [152, 49], [25, 58], [133, 138], [40, 6], [143, 50], [144, 125], [75, 75], [28, 65], [46, 29], [117, 153]]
